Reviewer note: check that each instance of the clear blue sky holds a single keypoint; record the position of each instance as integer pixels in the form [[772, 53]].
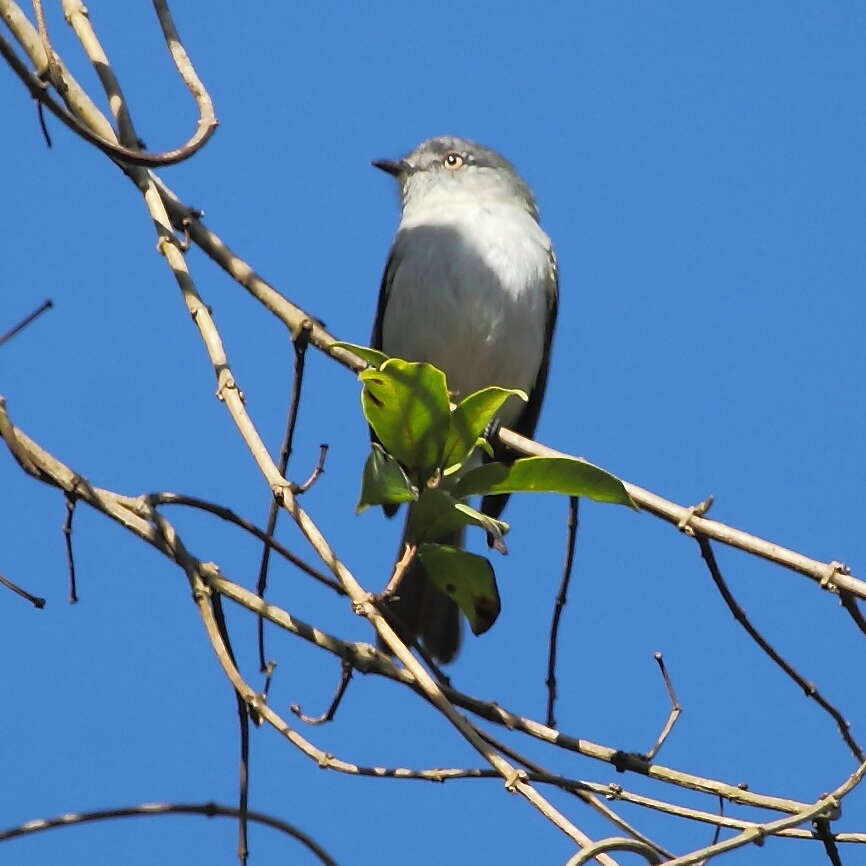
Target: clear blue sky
[[700, 168]]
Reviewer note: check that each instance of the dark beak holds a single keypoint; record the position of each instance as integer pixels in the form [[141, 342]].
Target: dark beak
[[394, 167]]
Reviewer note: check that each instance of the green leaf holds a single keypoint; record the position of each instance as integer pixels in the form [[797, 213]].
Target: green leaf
[[465, 577], [437, 515], [544, 475], [406, 404], [434, 516], [485, 446], [384, 481], [373, 357], [493, 527], [470, 419]]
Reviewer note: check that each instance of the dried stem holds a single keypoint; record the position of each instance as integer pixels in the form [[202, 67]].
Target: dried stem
[[809, 688], [316, 474], [67, 538], [35, 600], [392, 588], [150, 810], [822, 831], [346, 670], [244, 731], [77, 15], [299, 344], [826, 805], [615, 843], [850, 604], [45, 305], [580, 789], [227, 514], [676, 709], [559, 604]]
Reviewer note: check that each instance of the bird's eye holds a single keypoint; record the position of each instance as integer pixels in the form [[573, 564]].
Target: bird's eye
[[453, 161]]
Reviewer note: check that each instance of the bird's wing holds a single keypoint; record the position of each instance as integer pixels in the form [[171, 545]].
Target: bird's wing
[[528, 420], [376, 336], [384, 292]]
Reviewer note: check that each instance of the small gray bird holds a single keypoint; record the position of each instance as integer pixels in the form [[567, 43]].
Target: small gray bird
[[470, 286]]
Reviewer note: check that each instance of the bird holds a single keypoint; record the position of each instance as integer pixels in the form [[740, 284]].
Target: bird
[[471, 286]]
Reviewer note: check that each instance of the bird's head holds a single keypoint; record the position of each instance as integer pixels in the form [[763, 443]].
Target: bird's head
[[448, 168]]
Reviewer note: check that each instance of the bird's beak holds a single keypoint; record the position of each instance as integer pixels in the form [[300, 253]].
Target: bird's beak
[[394, 167]]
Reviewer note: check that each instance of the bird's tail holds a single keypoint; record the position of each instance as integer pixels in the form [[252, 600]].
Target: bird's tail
[[420, 610]]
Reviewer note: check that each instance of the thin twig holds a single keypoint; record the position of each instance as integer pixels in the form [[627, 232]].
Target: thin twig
[[78, 18], [717, 832], [40, 114], [149, 810], [822, 831], [244, 730], [299, 345], [67, 537], [676, 709], [851, 605], [615, 843], [51, 68], [166, 498], [35, 600], [809, 688], [201, 575], [578, 788], [559, 604], [45, 305], [346, 670], [318, 471], [392, 588], [206, 126], [826, 804]]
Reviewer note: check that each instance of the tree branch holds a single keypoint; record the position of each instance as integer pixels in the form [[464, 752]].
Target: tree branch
[[809, 688], [150, 810]]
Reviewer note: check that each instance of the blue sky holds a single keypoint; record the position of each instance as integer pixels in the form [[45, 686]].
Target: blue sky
[[699, 167]]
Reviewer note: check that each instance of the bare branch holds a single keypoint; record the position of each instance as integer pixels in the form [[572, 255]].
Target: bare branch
[[615, 843], [318, 471], [166, 498], [558, 605], [77, 16], [149, 810], [825, 806], [583, 790], [299, 343], [67, 539], [45, 305], [345, 676], [809, 688], [822, 831], [401, 566], [850, 604], [675, 712], [244, 714], [35, 600]]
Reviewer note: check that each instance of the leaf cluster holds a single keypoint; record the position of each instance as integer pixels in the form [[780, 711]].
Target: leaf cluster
[[426, 455]]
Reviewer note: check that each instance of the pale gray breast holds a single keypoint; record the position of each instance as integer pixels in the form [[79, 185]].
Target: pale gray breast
[[470, 294]]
